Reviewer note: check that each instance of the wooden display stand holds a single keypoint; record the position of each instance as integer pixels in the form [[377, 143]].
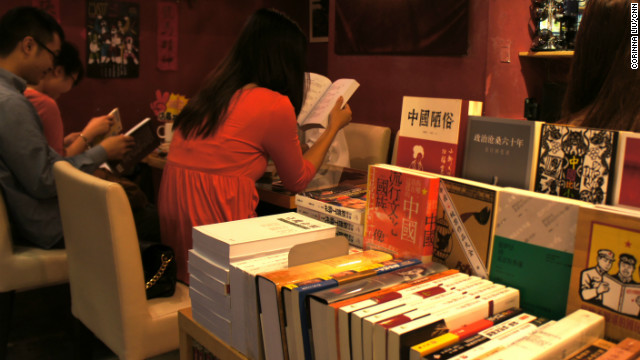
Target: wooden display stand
[[190, 330]]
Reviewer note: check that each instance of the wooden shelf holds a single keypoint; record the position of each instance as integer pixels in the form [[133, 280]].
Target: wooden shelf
[[191, 330], [547, 54]]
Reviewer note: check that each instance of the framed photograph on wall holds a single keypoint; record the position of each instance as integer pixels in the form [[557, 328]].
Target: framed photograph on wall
[[318, 20], [402, 27]]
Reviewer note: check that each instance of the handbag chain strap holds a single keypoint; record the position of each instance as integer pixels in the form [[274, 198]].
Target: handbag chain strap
[[165, 261]]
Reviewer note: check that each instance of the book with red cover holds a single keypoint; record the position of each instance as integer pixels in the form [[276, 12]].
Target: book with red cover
[[432, 133], [627, 171], [401, 211]]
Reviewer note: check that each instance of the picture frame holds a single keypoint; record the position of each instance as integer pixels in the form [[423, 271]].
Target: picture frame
[[318, 20]]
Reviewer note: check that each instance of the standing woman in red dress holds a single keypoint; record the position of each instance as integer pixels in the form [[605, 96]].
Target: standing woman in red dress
[[243, 115]]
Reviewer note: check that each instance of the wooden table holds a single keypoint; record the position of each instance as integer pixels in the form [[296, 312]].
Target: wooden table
[[190, 330], [327, 176]]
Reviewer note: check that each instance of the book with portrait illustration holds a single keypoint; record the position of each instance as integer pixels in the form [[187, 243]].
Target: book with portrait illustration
[[401, 211], [576, 162], [320, 98], [607, 246], [432, 133]]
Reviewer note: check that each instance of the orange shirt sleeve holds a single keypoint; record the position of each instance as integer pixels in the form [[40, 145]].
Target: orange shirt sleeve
[[283, 146]]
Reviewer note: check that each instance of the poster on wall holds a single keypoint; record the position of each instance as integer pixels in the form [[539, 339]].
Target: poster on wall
[[112, 39], [319, 20], [167, 36], [50, 6], [402, 27]]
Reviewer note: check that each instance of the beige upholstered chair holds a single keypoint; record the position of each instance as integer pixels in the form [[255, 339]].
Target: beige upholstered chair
[[105, 269], [368, 144], [23, 268], [394, 153]]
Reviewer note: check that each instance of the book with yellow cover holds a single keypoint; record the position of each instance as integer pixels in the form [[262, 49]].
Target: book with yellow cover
[[270, 295], [604, 276]]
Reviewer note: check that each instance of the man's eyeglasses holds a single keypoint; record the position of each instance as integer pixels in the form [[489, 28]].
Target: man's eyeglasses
[[42, 45]]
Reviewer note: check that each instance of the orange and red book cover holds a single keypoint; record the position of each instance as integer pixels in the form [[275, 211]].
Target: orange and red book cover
[[401, 211]]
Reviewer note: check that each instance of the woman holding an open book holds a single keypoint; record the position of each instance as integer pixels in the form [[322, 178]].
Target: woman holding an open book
[[244, 114]]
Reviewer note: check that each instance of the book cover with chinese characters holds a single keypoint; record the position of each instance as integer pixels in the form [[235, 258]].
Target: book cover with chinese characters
[[607, 247], [533, 248], [501, 152], [401, 209], [432, 133], [576, 162], [475, 204]]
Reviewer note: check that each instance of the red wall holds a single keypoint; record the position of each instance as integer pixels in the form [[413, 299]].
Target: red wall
[[209, 27], [384, 80], [207, 30]]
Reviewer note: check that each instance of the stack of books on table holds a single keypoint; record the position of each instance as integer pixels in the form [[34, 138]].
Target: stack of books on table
[[223, 261], [342, 206], [282, 296], [627, 349], [522, 336]]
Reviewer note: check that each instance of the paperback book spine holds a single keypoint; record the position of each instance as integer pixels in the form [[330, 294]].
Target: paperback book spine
[[355, 215]]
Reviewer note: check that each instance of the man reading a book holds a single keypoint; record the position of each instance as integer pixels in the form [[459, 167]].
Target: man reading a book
[[30, 39], [67, 72], [626, 266], [592, 285]]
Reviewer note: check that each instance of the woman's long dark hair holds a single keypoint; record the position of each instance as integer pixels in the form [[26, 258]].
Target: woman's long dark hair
[[269, 52], [603, 91]]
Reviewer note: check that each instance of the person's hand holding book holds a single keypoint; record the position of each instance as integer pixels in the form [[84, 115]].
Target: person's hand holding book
[[97, 126], [117, 146], [340, 116]]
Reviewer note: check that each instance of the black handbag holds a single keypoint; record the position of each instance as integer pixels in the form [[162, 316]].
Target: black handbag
[[160, 269]]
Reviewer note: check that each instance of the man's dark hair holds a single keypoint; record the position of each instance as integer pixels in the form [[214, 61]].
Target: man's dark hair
[[69, 59], [23, 21]]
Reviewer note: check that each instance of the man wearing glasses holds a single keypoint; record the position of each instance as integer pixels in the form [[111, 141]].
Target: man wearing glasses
[[30, 39]]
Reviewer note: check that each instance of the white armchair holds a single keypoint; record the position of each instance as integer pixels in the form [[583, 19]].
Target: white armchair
[[23, 268], [368, 144], [105, 269]]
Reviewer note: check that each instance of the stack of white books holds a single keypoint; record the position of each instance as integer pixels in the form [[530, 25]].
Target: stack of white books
[[223, 263]]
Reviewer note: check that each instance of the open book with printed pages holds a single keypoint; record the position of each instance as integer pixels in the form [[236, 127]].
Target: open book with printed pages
[[115, 128], [146, 140], [320, 97]]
